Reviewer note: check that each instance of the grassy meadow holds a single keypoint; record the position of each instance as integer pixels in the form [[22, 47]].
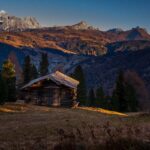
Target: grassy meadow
[[25, 127]]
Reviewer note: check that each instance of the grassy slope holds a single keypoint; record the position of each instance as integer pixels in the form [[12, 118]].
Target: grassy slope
[[32, 123]]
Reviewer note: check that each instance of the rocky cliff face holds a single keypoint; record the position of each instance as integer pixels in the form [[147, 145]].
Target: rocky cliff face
[[13, 23]]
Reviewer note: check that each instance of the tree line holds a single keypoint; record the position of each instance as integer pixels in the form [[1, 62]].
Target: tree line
[[30, 71], [124, 98], [8, 91]]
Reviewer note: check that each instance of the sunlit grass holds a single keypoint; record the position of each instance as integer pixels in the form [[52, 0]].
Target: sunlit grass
[[12, 107], [6, 110], [105, 111]]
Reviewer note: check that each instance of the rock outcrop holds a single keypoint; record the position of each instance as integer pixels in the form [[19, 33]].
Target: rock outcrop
[[82, 26]]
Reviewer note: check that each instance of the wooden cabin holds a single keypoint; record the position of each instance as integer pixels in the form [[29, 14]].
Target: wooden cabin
[[55, 89]]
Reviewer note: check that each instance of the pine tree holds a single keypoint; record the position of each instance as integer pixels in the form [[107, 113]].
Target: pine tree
[[3, 90], [8, 69], [11, 84], [81, 89], [100, 97], [91, 98], [124, 97], [9, 75], [120, 92], [44, 64], [140, 93], [114, 104], [34, 72], [27, 69], [132, 102]]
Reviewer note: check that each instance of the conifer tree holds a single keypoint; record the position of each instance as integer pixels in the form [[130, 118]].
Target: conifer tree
[[9, 75], [3, 90], [120, 92], [27, 69], [131, 97], [114, 104], [34, 72], [8, 69], [100, 97], [91, 98], [44, 64], [81, 89], [124, 96]]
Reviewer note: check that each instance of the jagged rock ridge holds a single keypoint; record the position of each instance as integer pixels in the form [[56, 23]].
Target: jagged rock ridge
[[13, 23]]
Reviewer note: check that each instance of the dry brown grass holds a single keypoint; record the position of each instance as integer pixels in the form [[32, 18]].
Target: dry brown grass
[[41, 128]]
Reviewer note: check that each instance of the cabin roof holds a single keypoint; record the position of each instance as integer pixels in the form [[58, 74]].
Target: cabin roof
[[57, 77]]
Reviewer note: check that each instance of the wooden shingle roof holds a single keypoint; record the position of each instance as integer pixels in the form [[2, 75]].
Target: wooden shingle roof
[[57, 77]]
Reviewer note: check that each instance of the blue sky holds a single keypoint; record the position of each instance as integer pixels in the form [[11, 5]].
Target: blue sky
[[104, 14]]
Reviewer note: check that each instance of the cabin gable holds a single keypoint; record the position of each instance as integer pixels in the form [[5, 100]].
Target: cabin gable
[[55, 89]]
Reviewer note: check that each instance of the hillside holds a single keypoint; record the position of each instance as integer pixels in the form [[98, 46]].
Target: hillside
[[64, 52], [100, 53], [78, 39]]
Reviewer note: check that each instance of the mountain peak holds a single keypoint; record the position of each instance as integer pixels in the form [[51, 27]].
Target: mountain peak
[[3, 12], [115, 30], [137, 33], [139, 29], [82, 25]]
